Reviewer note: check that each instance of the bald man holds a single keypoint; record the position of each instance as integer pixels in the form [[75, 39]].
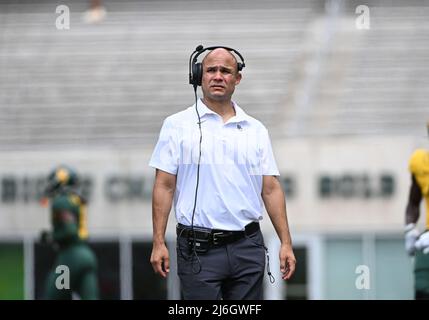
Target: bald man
[[216, 163]]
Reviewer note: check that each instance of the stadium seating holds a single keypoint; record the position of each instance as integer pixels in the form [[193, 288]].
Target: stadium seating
[[309, 72]]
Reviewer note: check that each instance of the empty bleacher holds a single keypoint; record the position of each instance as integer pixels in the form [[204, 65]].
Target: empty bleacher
[[309, 71]]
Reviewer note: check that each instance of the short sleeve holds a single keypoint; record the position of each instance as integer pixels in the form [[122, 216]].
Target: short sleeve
[[268, 162], [166, 154], [415, 162]]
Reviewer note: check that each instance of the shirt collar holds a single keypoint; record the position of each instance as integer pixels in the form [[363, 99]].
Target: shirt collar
[[203, 109], [240, 115]]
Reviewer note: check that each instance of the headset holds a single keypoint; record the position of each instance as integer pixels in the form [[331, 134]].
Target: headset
[[196, 68], [195, 79]]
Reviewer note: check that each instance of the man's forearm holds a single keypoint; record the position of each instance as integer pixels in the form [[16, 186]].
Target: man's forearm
[[412, 212], [276, 207], [162, 200]]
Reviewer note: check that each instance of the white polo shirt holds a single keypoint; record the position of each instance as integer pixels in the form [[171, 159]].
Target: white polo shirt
[[234, 157]]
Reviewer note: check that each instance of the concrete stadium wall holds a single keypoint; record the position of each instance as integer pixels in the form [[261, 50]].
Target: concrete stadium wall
[[365, 181]]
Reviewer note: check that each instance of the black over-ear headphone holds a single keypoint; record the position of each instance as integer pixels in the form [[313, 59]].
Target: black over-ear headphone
[[196, 68]]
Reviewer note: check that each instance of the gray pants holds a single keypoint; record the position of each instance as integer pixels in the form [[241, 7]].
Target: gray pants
[[230, 272]]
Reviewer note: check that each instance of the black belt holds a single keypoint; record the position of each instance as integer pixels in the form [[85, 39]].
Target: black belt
[[216, 237]]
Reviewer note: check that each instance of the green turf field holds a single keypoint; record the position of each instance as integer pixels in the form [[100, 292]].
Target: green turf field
[[11, 271]]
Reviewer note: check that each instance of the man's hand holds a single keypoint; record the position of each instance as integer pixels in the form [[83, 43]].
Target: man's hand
[[287, 262], [160, 260], [422, 242], [411, 235]]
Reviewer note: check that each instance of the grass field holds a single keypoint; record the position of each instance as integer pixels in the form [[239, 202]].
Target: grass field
[[11, 272]]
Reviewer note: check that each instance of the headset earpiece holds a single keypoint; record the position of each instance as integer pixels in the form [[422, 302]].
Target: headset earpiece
[[197, 73]]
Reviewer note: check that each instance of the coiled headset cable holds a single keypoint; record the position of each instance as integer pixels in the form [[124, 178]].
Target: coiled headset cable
[[194, 251], [194, 255]]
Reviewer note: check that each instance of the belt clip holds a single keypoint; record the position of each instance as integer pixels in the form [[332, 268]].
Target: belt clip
[[215, 240]]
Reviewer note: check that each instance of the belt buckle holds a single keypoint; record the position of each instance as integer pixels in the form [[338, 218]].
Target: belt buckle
[[215, 240]]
